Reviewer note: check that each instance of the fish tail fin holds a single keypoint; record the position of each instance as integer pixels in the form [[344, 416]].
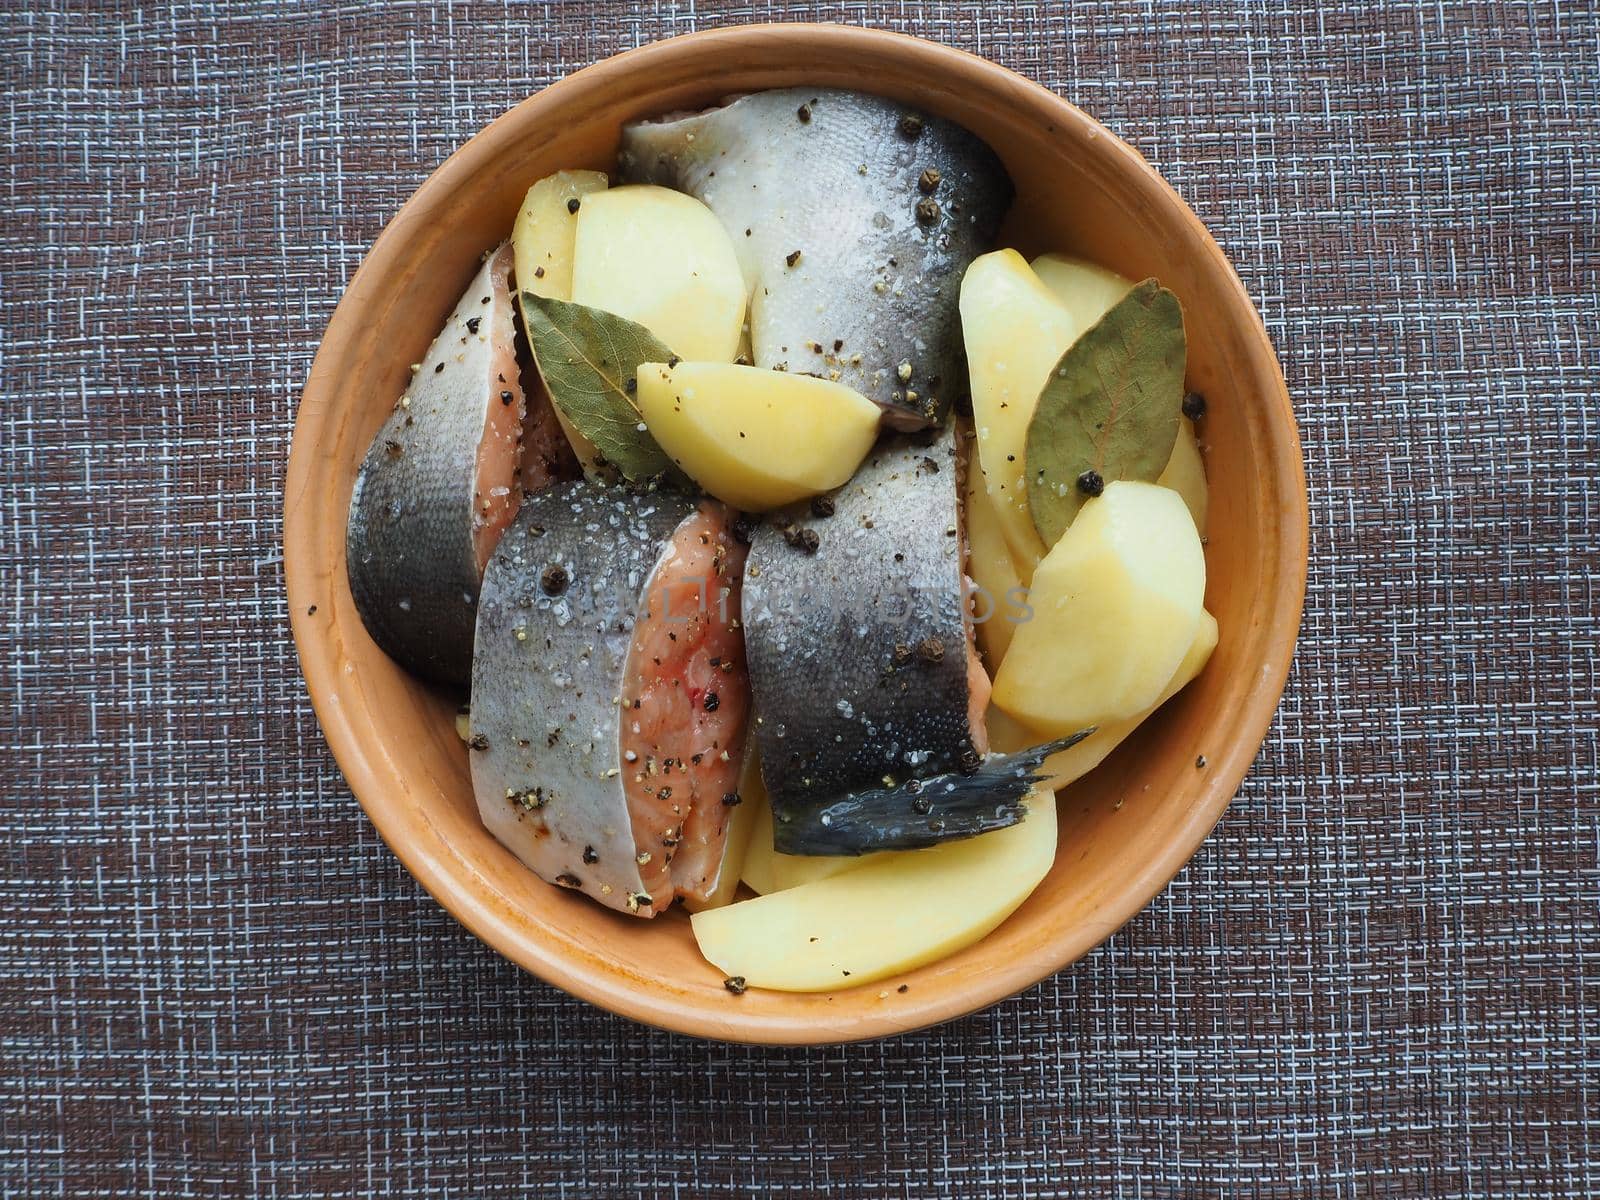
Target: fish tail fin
[[922, 812]]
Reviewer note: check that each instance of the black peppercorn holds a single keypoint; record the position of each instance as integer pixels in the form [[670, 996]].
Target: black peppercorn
[[744, 528], [554, 579], [574, 204], [1194, 405], [803, 539], [1090, 483]]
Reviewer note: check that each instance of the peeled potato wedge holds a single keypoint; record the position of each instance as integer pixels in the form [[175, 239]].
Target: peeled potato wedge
[[767, 871], [756, 439], [546, 229], [1018, 320], [542, 241], [1185, 473], [908, 908], [996, 609], [742, 828], [758, 870], [1084, 289], [1008, 735], [1116, 605], [1015, 331], [662, 259]]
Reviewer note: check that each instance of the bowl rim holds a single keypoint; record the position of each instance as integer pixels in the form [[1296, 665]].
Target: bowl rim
[[363, 766]]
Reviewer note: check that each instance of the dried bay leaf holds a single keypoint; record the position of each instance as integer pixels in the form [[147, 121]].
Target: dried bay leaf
[[589, 360], [1111, 406]]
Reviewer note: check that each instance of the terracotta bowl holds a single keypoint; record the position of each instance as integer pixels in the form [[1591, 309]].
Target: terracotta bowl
[[1126, 830]]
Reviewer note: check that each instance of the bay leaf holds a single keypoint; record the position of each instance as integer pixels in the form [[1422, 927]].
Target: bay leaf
[[589, 359], [1111, 406]]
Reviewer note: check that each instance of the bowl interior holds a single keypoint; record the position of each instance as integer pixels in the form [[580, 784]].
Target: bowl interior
[[1125, 830]]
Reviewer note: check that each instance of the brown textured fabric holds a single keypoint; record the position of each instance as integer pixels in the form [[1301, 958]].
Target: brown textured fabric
[[1381, 975]]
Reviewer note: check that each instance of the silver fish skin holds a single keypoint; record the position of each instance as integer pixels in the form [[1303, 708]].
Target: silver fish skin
[[412, 542], [858, 652], [853, 224], [555, 623]]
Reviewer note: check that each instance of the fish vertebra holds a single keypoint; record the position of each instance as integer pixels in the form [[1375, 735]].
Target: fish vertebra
[[609, 693], [854, 218]]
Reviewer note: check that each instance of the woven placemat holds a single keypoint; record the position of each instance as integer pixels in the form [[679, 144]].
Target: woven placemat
[[1381, 975]]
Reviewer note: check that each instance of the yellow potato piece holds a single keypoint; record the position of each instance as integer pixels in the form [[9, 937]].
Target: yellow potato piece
[[758, 869], [908, 908], [996, 606], [543, 236], [753, 438], [1185, 473], [662, 259], [1116, 604], [1008, 735], [767, 871], [542, 241], [741, 829], [1015, 331], [1018, 320], [1085, 289]]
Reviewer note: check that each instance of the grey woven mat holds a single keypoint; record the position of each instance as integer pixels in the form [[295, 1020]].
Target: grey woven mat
[[1380, 977]]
